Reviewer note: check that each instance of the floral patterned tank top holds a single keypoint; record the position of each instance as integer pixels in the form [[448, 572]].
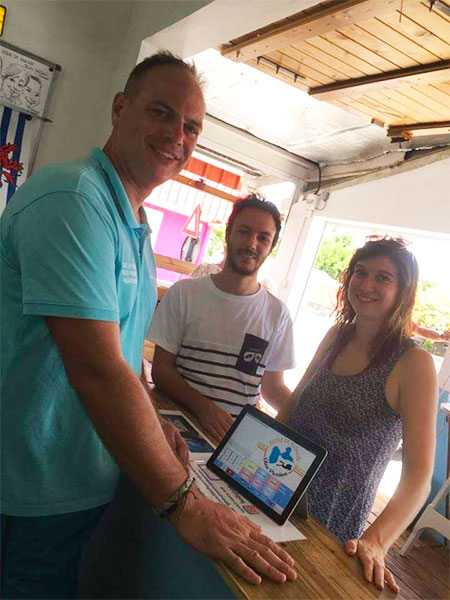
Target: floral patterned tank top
[[350, 417]]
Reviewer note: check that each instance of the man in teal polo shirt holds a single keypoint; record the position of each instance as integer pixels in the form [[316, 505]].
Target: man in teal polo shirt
[[78, 294]]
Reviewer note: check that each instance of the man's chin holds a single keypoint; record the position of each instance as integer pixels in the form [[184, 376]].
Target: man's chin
[[161, 174], [243, 271]]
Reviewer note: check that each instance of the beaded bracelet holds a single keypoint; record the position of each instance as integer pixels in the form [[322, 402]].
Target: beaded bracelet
[[170, 506]]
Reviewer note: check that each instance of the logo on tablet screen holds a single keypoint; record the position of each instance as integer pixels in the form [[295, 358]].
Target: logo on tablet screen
[[281, 457]]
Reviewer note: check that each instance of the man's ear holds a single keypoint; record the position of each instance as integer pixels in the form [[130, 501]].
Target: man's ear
[[118, 105], [227, 233]]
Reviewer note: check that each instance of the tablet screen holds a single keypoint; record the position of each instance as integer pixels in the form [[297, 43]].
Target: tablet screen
[[267, 462]]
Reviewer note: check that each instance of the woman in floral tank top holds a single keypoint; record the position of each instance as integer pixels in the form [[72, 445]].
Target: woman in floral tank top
[[367, 387]]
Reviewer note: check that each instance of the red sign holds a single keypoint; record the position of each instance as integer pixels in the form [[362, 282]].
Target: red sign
[[192, 225], [10, 168]]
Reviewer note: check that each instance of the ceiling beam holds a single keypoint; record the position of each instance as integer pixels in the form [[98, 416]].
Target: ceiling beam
[[345, 13], [442, 6], [199, 184], [423, 159], [418, 75], [415, 129]]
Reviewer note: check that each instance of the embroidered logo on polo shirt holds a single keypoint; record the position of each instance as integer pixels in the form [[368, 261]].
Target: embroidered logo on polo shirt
[[129, 273]]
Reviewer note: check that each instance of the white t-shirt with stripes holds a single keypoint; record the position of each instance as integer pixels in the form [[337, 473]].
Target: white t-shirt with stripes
[[223, 342]]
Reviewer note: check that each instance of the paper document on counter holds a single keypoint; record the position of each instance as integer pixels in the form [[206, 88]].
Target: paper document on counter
[[200, 449], [199, 445]]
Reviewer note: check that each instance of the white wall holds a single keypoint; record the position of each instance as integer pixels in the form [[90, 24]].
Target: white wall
[[417, 199], [82, 38], [96, 42]]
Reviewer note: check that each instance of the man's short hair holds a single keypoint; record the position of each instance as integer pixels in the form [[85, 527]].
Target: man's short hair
[[257, 201], [160, 59]]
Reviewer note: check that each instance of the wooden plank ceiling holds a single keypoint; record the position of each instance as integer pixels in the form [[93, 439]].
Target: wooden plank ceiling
[[386, 60]]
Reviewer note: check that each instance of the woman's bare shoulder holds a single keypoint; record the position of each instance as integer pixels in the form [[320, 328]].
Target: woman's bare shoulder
[[416, 369], [331, 334], [417, 357], [327, 341]]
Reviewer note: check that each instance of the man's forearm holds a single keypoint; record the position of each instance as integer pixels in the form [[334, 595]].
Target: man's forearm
[[127, 423], [287, 407], [171, 383], [277, 398], [148, 391]]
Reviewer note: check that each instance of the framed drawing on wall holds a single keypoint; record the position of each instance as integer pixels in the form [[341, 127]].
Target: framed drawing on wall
[[26, 86], [25, 80]]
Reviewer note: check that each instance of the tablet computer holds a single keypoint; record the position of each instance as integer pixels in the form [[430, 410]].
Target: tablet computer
[[267, 462]]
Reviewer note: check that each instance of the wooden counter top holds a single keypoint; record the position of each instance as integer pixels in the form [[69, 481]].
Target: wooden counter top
[[324, 571]]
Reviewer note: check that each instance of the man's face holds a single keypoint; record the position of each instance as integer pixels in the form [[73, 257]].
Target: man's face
[[250, 240], [32, 93], [156, 130]]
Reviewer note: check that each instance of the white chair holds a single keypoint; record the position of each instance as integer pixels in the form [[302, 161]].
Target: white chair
[[431, 519]]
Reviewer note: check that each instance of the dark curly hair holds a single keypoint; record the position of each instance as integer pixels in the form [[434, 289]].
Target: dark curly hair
[[256, 201]]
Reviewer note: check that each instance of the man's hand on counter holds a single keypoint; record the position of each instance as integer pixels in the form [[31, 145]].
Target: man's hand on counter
[[218, 532]]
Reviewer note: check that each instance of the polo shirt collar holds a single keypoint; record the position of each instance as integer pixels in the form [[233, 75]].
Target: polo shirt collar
[[120, 195]]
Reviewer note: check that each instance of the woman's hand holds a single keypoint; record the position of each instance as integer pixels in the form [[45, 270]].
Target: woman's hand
[[371, 555]]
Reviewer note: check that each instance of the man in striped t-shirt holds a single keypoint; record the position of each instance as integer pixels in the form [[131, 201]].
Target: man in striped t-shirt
[[222, 339]]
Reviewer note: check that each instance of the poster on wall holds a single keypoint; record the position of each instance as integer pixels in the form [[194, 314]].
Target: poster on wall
[[25, 81], [26, 85]]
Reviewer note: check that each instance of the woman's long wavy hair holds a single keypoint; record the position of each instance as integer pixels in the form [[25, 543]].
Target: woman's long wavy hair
[[398, 323]]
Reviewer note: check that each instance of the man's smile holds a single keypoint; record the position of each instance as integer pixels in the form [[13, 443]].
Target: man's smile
[[165, 154], [247, 254]]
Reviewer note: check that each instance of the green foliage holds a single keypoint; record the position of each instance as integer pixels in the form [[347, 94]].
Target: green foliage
[[216, 244], [427, 344], [432, 306], [335, 253]]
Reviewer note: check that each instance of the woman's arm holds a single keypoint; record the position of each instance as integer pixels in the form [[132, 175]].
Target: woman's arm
[[289, 403], [418, 406]]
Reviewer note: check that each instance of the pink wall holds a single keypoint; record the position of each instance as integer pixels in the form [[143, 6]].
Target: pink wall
[[171, 237]]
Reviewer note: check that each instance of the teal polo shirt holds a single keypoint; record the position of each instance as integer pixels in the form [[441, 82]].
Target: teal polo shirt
[[70, 247]]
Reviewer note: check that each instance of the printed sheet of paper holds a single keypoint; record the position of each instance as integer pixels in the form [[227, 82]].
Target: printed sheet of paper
[[200, 448], [214, 488]]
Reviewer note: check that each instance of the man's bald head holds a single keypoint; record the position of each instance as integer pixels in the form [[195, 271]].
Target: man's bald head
[[160, 59]]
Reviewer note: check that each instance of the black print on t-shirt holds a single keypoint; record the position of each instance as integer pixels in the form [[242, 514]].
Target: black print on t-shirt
[[251, 353]]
